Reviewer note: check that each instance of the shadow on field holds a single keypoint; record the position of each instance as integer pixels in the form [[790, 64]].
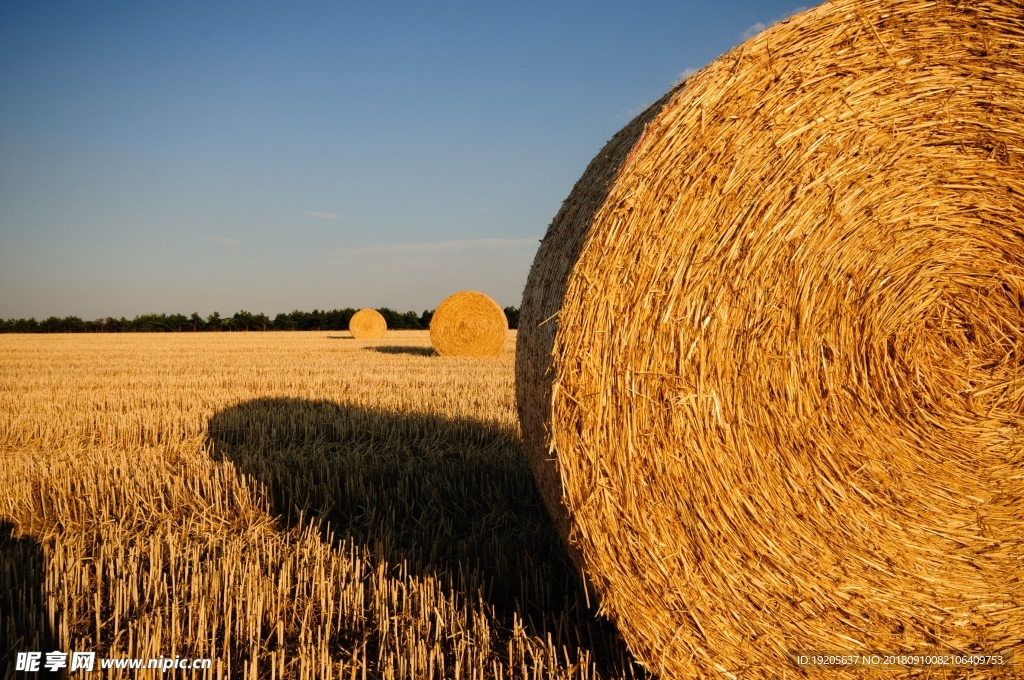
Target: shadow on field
[[451, 498], [24, 626], [404, 349], [340, 337]]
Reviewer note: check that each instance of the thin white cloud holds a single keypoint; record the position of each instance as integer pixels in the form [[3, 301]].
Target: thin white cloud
[[630, 114], [754, 29], [321, 215], [436, 246], [485, 209], [633, 113], [218, 239], [684, 74]]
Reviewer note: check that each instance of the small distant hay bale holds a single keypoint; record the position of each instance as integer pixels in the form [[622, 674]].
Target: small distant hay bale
[[367, 324], [468, 324], [770, 361]]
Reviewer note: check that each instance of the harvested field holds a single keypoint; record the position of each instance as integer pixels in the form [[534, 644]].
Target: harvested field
[[287, 504]]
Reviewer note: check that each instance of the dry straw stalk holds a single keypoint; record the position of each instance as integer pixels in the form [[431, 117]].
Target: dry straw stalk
[[468, 324], [151, 486], [769, 360], [367, 324]]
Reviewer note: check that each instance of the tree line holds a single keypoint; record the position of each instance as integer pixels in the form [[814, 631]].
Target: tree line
[[317, 320]]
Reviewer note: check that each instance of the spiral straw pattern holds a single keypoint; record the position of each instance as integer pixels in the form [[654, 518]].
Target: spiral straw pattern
[[367, 324], [769, 365], [468, 324]]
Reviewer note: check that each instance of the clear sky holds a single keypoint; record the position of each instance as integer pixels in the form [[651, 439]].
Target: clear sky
[[198, 156]]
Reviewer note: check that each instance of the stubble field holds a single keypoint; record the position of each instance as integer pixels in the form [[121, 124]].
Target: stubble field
[[289, 505]]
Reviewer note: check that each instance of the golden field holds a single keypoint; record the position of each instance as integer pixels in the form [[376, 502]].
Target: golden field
[[290, 505]]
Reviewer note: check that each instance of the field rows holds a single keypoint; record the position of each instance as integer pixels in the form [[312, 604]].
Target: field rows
[[286, 504]]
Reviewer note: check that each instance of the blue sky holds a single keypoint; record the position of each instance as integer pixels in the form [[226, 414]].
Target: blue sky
[[180, 156]]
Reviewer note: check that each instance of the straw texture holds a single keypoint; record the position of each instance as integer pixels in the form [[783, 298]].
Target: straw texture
[[468, 324], [367, 324], [769, 358]]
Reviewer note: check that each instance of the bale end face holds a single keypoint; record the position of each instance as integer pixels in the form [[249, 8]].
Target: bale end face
[[367, 324], [773, 343], [468, 324]]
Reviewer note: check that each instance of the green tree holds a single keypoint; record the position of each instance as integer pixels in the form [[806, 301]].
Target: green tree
[[284, 322], [512, 314]]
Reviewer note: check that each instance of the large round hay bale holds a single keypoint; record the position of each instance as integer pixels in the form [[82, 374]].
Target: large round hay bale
[[468, 324], [769, 362], [367, 324]]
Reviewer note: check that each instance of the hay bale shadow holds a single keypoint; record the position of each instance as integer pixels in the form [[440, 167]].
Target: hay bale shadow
[[24, 624], [452, 499], [404, 349]]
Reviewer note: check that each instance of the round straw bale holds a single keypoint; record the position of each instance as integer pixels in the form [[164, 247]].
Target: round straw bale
[[769, 364], [468, 324], [367, 324]]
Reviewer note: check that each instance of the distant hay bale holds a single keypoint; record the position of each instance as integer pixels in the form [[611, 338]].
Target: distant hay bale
[[367, 324], [468, 324], [769, 362]]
